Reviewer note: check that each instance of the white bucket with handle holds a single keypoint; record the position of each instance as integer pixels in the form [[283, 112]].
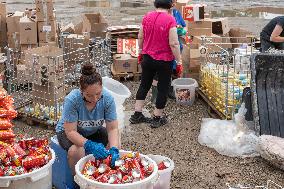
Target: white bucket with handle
[[39, 178], [85, 183], [164, 181]]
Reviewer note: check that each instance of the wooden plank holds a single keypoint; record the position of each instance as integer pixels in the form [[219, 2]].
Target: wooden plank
[[212, 111]]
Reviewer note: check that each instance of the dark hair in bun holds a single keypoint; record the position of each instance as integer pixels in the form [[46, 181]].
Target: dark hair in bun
[[163, 4], [89, 76]]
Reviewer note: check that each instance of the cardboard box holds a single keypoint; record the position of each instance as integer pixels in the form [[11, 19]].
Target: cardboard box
[[220, 26], [51, 43], [70, 28], [180, 4], [13, 21], [124, 63], [239, 36], [44, 63], [95, 24], [13, 40], [49, 94], [40, 14], [46, 31], [193, 12], [50, 10], [200, 31], [28, 31], [127, 46], [3, 33], [27, 47]]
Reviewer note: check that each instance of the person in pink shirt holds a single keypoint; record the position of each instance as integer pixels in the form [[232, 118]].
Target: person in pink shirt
[[158, 47]]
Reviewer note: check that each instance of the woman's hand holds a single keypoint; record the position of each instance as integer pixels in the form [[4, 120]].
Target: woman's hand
[[97, 149]]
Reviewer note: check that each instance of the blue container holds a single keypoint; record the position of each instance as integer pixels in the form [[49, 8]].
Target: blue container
[[61, 173]]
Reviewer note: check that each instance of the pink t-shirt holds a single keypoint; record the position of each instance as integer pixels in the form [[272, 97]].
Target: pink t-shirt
[[156, 28]]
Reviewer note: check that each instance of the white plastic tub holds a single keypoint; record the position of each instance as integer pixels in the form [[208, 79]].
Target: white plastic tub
[[85, 183], [38, 179], [119, 91], [164, 181], [185, 90]]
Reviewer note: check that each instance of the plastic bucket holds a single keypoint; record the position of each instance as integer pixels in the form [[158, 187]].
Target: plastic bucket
[[86, 183], [164, 181], [40, 178], [184, 89], [119, 91]]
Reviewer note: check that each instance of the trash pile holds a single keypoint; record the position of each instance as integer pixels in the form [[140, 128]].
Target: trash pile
[[130, 168], [229, 137]]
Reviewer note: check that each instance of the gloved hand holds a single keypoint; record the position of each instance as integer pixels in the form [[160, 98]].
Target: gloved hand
[[179, 70], [140, 58], [114, 152], [97, 149]]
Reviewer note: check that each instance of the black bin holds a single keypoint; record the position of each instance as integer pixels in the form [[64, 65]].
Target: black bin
[[268, 93]]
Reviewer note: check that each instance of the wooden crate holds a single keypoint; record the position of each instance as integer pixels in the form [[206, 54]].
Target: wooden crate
[[125, 76]]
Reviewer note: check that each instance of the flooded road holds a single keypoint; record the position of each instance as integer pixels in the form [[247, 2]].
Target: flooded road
[[241, 13]]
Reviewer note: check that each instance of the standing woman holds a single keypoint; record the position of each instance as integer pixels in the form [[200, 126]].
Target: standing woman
[[158, 46], [80, 130]]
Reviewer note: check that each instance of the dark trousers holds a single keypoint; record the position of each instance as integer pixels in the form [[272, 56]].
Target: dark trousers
[[150, 68], [100, 136], [265, 45]]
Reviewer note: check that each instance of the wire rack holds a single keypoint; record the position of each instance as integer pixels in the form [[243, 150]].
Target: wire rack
[[225, 71]]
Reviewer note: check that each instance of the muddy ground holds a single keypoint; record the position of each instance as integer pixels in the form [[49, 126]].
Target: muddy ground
[[196, 166]]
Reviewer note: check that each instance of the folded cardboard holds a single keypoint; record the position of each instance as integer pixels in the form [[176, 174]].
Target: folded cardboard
[[124, 63], [13, 21], [28, 31], [193, 12], [95, 24]]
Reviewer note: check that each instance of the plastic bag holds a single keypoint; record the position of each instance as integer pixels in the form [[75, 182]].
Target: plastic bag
[[231, 138]]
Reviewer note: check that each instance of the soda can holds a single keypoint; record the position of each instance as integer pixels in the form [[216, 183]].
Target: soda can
[[164, 164]]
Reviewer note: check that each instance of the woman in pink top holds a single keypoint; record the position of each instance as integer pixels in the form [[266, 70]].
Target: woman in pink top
[[159, 47]]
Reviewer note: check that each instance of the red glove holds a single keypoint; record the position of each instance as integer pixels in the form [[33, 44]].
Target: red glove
[[179, 70], [139, 58]]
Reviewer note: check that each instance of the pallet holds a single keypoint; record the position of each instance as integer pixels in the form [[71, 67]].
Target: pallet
[[33, 121], [211, 109], [125, 76]]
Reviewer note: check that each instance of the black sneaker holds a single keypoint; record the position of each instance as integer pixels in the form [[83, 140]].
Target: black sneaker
[[158, 121], [138, 117]]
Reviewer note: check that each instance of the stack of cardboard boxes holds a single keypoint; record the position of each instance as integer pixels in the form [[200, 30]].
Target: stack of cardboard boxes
[[46, 26], [197, 26], [33, 27], [124, 44]]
